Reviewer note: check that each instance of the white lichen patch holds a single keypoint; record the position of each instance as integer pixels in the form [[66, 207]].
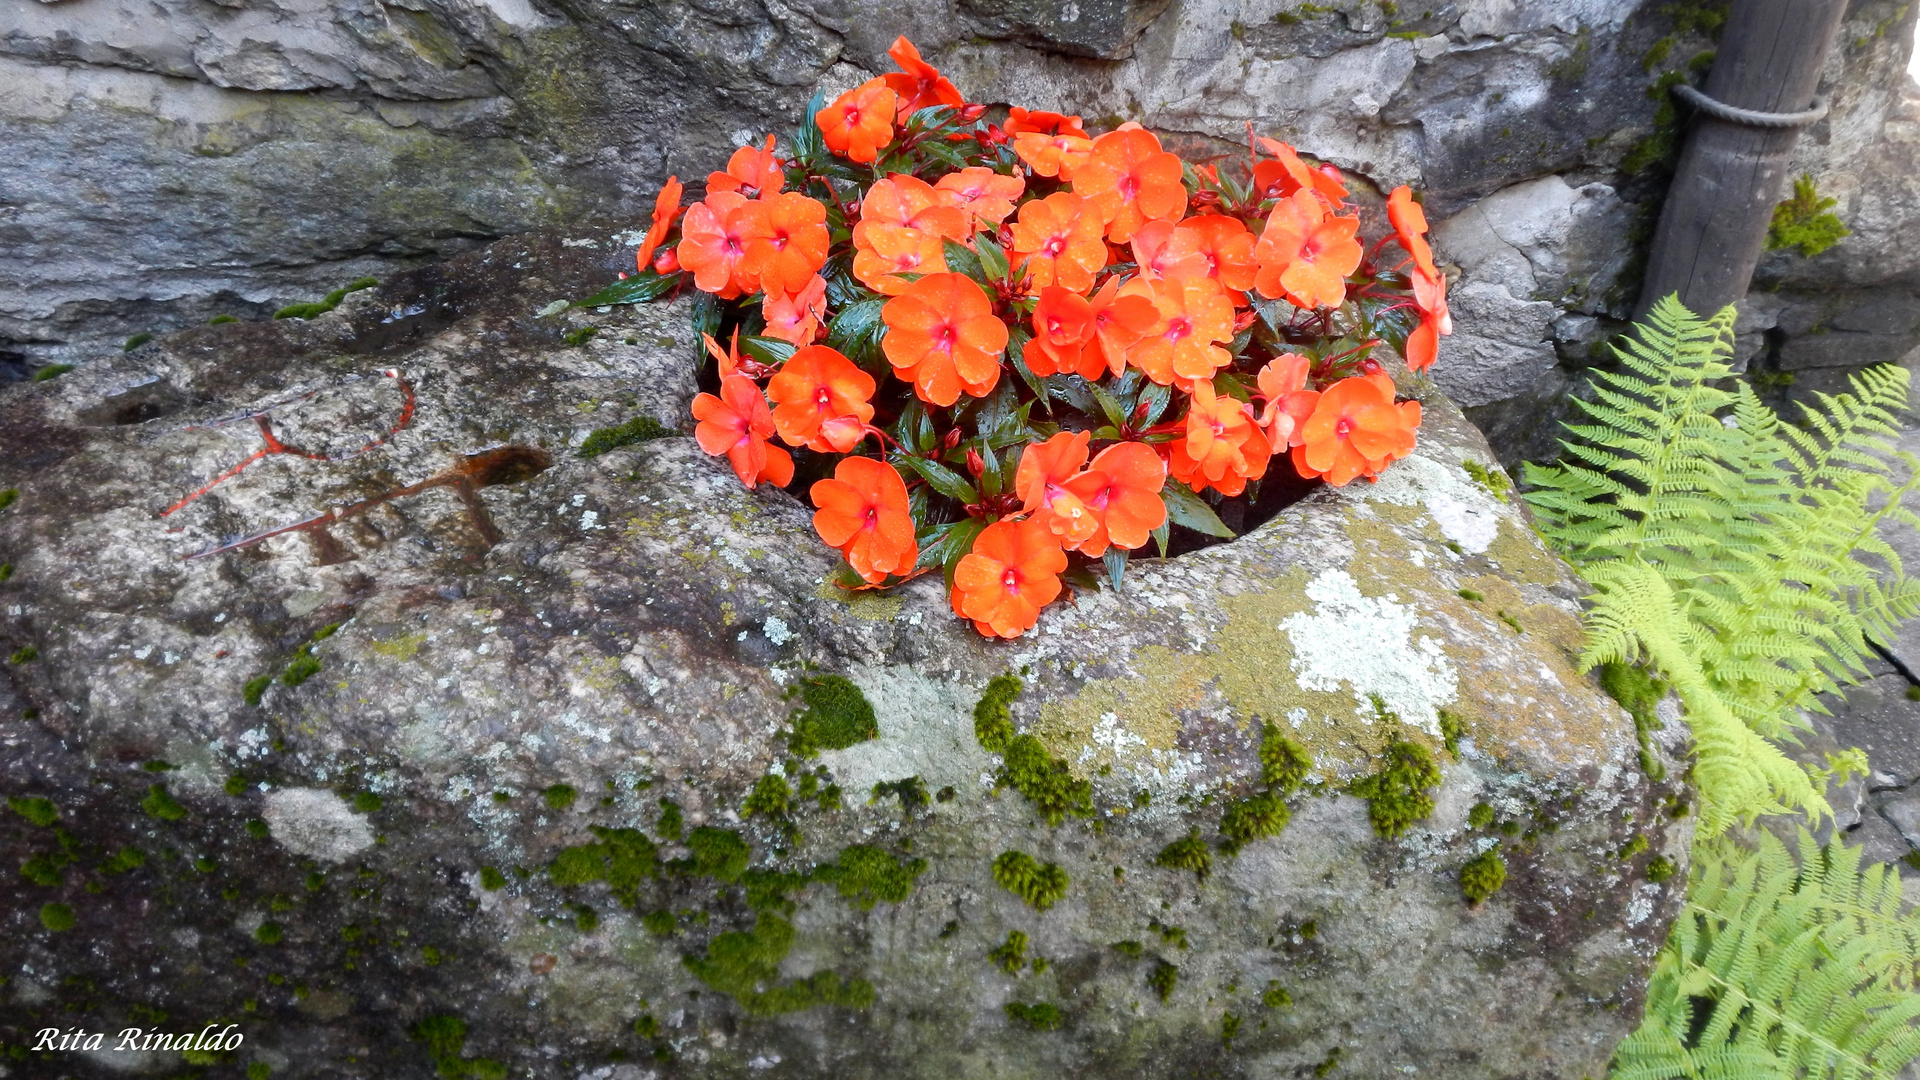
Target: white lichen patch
[[1473, 526], [1367, 644], [316, 823], [926, 730]]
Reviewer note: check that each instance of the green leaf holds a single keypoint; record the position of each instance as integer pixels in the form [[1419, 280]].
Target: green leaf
[[990, 480], [957, 543], [1186, 509], [857, 331], [1230, 384], [770, 351], [962, 260], [1017, 339], [1160, 537], [1075, 391], [1116, 560], [633, 289], [1108, 405], [944, 152], [1157, 398], [809, 145], [993, 260], [939, 477]]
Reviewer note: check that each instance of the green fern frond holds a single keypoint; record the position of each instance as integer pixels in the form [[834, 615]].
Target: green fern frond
[[1762, 537], [1781, 967]]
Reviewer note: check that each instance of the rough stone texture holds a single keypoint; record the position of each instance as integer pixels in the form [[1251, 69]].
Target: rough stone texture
[[641, 617]]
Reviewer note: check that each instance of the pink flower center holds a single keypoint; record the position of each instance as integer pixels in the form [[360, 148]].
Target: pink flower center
[[1011, 579], [1343, 428], [1054, 247], [1178, 327]]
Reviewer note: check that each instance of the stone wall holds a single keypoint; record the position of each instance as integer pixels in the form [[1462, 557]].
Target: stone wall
[[174, 160]]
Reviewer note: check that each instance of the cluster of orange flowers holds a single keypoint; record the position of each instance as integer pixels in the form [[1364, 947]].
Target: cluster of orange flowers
[[1085, 333]]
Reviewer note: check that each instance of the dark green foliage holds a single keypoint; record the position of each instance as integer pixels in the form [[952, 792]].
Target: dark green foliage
[[646, 1027], [158, 765], [1187, 853], [1482, 876], [1012, 955], [162, 805], [716, 853], [8, 497], [1284, 764], [1175, 936], [6, 572], [1397, 793], [992, 714], [1805, 221], [25, 654], [315, 309], [1276, 996], [220, 319], [1046, 781], [1041, 885], [660, 923], [1256, 817], [51, 371], [767, 889], [1130, 949], [1634, 846], [836, 715], [580, 335], [269, 933], [366, 802], [672, 822], [57, 917], [236, 785], [745, 965], [771, 797], [446, 1038], [912, 792], [124, 860], [559, 796], [1163, 978], [258, 829], [866, 875], [36, 809], [1229, 1026], [136, 341], [491, 879], [585, 919], [623, 858], [1480, 816], [205, 865], [1471, 594], [1660, 868], [255, 689], [1043, 1016], [642, 428]]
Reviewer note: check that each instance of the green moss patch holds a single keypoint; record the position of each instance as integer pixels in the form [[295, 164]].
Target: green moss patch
[[745, 965], [1256, 817], [1041, 885], [1482, 876], [866, 875], [720, 854], [1162, 979], [1047, 781], [315, 309], [993, 715], [559, 796], [640, 429], [446, 1039], [1284, 764], [1011, 956], [623, 858], [1043, 1016], [1397, 793], [58, 918], [834, 716], [36, 809], [162, 805], [1804, 221], [1187, 853]]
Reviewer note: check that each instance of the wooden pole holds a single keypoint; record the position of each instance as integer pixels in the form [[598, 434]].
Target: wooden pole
[[1733, 170]]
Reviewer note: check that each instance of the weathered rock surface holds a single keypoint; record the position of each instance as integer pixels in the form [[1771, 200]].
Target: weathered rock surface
[[631, 626]]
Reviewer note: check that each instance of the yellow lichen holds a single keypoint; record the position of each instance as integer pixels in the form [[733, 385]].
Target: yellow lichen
[[402, 647]]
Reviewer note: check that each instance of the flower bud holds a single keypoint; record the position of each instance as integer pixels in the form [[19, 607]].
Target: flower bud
[[667, 262], [1243, 319], [952, 440], [970, 113], [974, 464]]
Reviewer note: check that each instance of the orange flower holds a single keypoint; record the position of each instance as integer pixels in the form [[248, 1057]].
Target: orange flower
[[822, 400], [982, 193], [943, 337], [714, 240], [1430, 296], [791, 244], [863, 511], [1011, 573], [913, 203], [1119, 321], [891, 250], [666, 208], [1228, 248], [1223, 449], [1046, 470], [1305, 253], [920, 84], [1410, 228], [1122, 488], [1021, 120], [727, 361], [1162, 249], [1062, 322], [1053, 155], [1283, 383], [737, 424], [1059, 239], [1280, 178], [859, 122], [796, 318], [1355, 430], [1132, 180], [753, 173], [1197, 320]]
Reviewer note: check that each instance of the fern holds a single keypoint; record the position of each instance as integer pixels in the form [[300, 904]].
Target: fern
[[1739, 555], [1781, 967]]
